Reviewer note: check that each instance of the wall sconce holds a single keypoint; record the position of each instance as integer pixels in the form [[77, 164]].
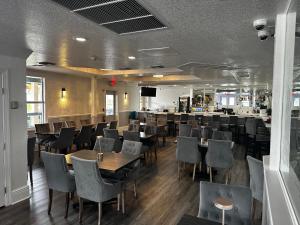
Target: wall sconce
[[125, 95], [63, 92]]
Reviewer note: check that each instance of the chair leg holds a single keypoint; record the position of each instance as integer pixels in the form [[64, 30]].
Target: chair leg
[[200, 166], [99, 213], [123, 202], [30, 175], [210, 174], [67, 204], [155, 152], [80, 209], [50, 201], [118, 205], [227, 177], [134, 189], [39, 150], [253, 208], [195, 166]]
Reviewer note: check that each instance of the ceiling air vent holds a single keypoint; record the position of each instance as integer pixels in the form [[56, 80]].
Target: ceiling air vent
[[45, 64], [120, 16]]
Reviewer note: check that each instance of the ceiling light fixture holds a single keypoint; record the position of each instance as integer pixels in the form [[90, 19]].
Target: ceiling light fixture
[[80, 39], [131, 57], [158, 75]]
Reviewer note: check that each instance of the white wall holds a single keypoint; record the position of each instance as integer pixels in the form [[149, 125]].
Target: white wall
[[165, 96], [16, 68]]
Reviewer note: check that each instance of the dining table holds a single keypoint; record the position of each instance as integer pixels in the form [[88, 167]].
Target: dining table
[[111, 161], [193, 220]]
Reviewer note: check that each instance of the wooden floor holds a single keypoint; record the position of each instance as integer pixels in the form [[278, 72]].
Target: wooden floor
[[162, 198]]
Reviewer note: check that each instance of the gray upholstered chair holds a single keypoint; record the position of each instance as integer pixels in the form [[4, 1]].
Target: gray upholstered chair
[[187, 152], [239, 195], [133, 171], [134, 127], [59, 178], [83, 139], [91, 186], [104, 144], [64, 142], [219, 155], [256, 171], [185, 130], [131, 135], [114, 134], [222, 135], [113, 124], [30, 156], [98, 132], [195, 132]]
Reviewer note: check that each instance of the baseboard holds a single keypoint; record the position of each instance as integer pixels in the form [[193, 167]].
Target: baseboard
[[20, 194]]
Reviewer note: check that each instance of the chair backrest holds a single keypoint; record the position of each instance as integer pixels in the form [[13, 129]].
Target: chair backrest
[[214, 124], [113, 124], [30, 150], [219, 154], [71, 123], [131, 147], [104, 144], [57, 174], [256, 171], [131, 135], [187, 150], [233, 120], [224, 120], [134, 127], [206, 131], [84, 137], [114, 134], [150, 129], [58, 125], [184, 117], [239, 195], [196, 133], [199, 118], [241, 121], [43, 127], [216, 118], [88, 179], [66, 137], [134, 122], [185, 130], [99, 129], [250, 126], [222, 135], [162, 120], [170, 116]]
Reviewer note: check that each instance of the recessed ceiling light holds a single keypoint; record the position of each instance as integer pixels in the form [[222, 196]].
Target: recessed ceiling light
[[80, 39], [131, 57], [140, 75], [158, 75]]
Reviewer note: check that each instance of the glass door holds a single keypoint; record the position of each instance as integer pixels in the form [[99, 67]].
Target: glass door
[[110, 105]]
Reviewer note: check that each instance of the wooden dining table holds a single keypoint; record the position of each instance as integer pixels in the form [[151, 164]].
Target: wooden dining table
[[112, 161], [193, 220]]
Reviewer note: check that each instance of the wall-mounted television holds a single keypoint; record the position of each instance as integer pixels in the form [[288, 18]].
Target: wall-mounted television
[[149, 92]]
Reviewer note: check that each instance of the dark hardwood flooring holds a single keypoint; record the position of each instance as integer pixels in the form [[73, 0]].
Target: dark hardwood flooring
[[162, 198]]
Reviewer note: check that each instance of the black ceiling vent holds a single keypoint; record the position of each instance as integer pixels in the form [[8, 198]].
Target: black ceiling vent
[[44, 63], [120, 16]]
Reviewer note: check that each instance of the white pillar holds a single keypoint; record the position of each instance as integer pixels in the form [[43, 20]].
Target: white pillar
[[93, 100]]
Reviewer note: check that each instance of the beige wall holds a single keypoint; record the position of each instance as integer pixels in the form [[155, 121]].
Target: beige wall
[[78, 95]]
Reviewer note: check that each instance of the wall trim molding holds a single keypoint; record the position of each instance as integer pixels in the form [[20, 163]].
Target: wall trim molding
[[20, 194], [71, 115]]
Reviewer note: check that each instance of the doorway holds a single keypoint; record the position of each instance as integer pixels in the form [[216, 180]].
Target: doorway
[[2, 139], [110, 105]]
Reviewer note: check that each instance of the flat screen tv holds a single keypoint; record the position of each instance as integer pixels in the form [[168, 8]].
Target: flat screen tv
[[149, 92]]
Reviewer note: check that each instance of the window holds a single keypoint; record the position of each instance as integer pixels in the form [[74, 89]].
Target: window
[[110, 103], [224, 100], [35, 101], [231, 101], [296, 102]]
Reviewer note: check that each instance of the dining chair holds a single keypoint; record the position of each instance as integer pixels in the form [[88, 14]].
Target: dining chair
[[152, 143], [113, 124], [195, 132], [42, 139], [187, 152], [64, 141], [59, 178], [250, 127], [219, 155], [240, 196], [185, 130], [222, 135], [256, 171], [85, 122], [91, 186], [71, 123], [113, 133], [133, 171], [98, 132], [30, 156], [134, 127], [83, 139], [58, 125], [104, 144]]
